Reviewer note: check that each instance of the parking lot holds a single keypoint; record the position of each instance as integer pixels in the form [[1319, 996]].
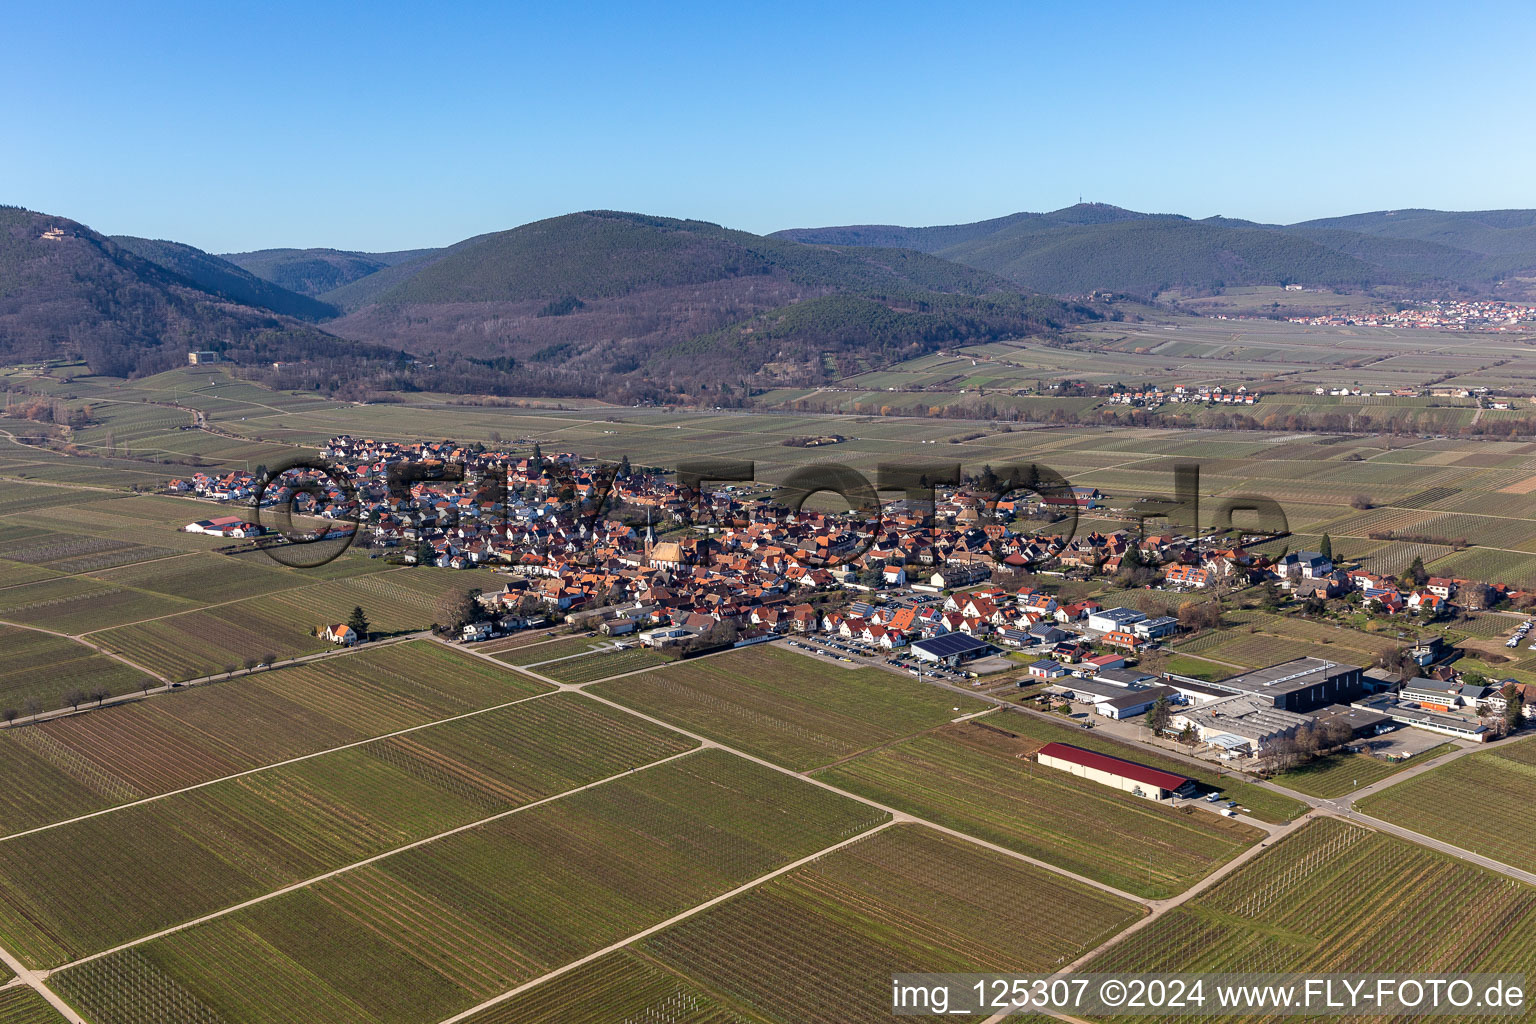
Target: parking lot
[[853, 653]]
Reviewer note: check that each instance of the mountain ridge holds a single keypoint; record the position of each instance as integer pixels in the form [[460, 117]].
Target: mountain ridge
[[1092, 246], [68, 292]]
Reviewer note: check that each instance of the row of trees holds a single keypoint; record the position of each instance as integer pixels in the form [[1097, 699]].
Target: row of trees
[[74, 697]]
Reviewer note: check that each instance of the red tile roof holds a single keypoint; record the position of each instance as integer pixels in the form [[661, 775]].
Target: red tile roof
[[1114, 765]]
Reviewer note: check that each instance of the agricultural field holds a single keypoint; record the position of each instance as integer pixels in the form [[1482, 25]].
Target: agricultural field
[[527, 637], [1457, 485], [1252, 639], [81, 763], [77, 604], [788, 708], [237, 839], [19, 497], [978, 777], [1335, 896], [1196, 668], [22, 1005], [43, 552], [1338, 774], [905, 899], [200, 642], [1466, 802], [617, 987], [1487, 564], [548, 651], [424, 933], [434, 930], [205, 578], [43, 668], [590, 667]]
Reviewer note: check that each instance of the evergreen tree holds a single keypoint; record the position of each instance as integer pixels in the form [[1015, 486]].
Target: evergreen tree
[[1131, 560], [359, 623], [1159, 716], [1514, 708], [1417, 573], [1325, 548]]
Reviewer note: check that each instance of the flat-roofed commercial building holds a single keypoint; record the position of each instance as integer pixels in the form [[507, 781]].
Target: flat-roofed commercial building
[[1303, 684], [1430, 721], [1136, 702], [1114, 619], [952, 648], [1245, 716]]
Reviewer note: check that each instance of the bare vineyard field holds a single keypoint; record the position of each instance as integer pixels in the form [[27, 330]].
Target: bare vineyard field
[[1338, 774], [205, 641], [1485, 563], [591, 667], [1335, 896], [1454, 802], [85, 762], [554, 648], [205, 578], [20, 497], [25, 1006], [437, 929], [42, 667], [979, 779], [822, 942], [787, 707], [75, 604], [1253, 639], [47, 552], [620, 986], [237, 839]]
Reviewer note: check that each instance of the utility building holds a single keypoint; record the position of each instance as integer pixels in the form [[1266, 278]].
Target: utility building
[[1128, 776]]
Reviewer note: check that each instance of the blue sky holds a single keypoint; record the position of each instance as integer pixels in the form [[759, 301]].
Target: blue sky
[[391, 125]]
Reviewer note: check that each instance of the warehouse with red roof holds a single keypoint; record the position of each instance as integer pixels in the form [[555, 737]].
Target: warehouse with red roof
[[1128, 776]]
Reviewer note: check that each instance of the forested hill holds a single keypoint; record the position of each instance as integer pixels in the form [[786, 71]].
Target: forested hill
[[219, 276], [68, 292], [315, 271], [616, 305], [631, 305], [601, 253], [1095, 246]]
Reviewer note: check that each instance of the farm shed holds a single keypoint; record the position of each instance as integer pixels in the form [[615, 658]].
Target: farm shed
[[1128, 776]]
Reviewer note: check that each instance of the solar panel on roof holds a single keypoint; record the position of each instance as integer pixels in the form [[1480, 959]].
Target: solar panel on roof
[[950, 644]]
